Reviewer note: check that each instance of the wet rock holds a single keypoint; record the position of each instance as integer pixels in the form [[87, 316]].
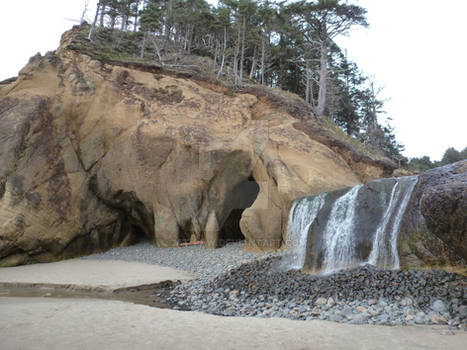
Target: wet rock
[[321, 301], [462, 311], [435, 223], [439, 306], [420, 317], [262, 285], [437, 319], [359, 318], [335, 318], [361, 309]]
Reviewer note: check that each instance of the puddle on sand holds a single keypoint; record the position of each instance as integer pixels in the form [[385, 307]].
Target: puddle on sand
[[144, 295]]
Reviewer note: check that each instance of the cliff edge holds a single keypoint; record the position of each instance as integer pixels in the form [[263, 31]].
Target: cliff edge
[[99, 151]]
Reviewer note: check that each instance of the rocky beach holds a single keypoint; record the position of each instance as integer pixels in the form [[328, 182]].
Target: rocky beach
[[232, 282], [154, 196]]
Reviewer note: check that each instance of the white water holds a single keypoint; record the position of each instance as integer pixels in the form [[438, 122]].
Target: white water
[[378, 250], [302, 214], [384, 249], [338, 235], [397, 221]]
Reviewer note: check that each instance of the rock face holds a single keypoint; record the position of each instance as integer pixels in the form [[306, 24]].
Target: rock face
[[434, 228], [409, 222], [359, 225], [96, 154]]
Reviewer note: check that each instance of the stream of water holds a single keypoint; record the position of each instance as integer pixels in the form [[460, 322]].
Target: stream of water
[[341, 233], [302, 214]]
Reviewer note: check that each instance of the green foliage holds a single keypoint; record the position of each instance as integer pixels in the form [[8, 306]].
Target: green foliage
[[464, 153], [451, 155], [151, 16], [276, 44], [421, 164]]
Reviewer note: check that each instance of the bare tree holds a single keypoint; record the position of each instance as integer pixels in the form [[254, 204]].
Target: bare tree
[[83, 15], [322, 21], [93, 25]]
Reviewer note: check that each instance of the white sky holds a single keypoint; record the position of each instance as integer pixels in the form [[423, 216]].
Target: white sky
[[415, 49]]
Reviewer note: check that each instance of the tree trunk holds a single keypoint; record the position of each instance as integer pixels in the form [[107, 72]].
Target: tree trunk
[[308, 82], [186, 38], [95, 21], [253, 65], [216, 53], [101, 20], [223, 54], [263, 58], [135, 26], [113, 22], [158, 51], [282, 73], [242, 56], [168, 25], [83, 15], [143, 46], [122, 27], [237, 52], [136, 15], [323, 74]]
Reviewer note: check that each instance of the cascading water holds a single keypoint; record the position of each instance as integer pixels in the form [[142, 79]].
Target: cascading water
[[338, 236], [301, 216], [349, 227], [396, 210], [378, 249], [384, 249]]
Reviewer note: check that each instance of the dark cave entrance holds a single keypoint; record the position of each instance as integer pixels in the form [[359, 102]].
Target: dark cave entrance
[[137, 222], [242, 197], [138, 235]]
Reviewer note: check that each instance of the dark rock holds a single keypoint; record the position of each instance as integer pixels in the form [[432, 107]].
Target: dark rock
[[433, 230], [439, 306], [444, 205], [315, 297]]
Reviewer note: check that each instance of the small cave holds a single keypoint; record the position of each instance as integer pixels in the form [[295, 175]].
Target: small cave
[[242, 197], [137, 235], [186, 232], [136, 221]]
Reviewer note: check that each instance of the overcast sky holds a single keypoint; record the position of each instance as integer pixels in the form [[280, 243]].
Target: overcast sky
[[415, 49]]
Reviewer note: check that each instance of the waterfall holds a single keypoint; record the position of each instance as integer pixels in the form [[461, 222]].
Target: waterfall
[[301, 216], [338, 236], [357, 226], [378, 249], [384, 249]]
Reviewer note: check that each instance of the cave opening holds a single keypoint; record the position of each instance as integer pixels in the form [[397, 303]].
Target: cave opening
[[242, 197], [138, 235], [137, 221]]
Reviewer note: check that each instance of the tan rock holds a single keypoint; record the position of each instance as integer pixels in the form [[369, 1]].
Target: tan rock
[[212, 231], [94, 155], [438, 319]]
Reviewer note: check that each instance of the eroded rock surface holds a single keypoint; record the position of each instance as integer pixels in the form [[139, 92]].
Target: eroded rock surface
[[434, 228], [95, 154]]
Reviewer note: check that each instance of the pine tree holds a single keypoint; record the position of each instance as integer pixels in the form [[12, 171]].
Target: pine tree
[[320, 22], [451, 155]]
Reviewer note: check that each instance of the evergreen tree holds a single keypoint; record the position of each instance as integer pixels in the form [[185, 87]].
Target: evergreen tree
[[320, 22], [421, 164], [284, 45], [451, 155], [464, 153]]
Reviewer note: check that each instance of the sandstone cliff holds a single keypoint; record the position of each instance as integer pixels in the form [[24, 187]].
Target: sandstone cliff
[[95, 153]]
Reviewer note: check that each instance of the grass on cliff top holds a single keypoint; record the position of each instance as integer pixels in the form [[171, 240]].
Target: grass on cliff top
[[115, 46], [357, 145]]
